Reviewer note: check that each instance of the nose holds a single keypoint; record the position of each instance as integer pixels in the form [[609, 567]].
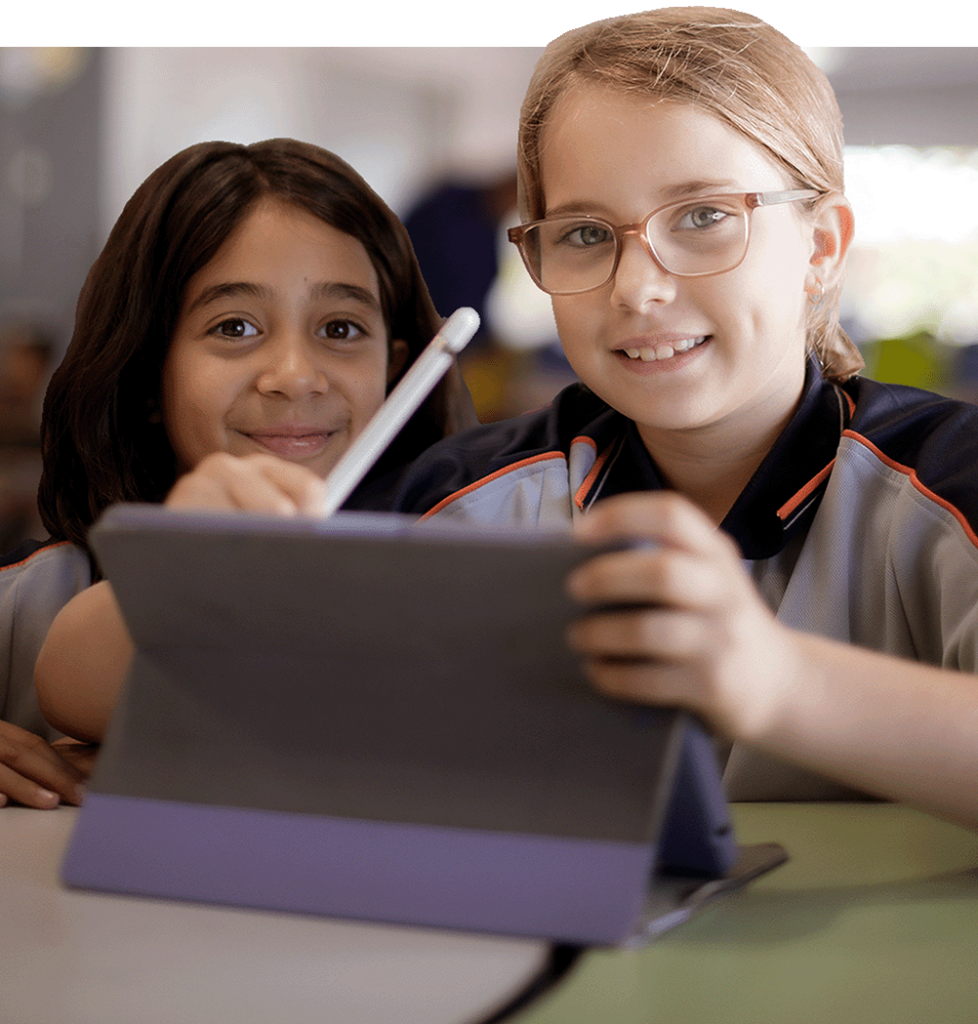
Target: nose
[[291, 366], [639, 279]]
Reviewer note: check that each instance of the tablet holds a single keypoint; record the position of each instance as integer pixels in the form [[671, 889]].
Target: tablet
[[371, 718]]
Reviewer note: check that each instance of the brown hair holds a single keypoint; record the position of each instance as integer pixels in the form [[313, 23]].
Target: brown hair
[[733, 65], [100, 443]]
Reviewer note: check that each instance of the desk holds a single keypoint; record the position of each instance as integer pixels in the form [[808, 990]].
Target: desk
[[874, 919], [71, 957]]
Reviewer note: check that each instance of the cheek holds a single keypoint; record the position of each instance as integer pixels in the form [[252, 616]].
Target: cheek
[[575, 319], [193, 401], [770, 290], [172, 391], [365, 386], [786, 301], [188, 393]]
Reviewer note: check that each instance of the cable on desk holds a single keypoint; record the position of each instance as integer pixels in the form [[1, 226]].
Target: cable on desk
[[562, 957]]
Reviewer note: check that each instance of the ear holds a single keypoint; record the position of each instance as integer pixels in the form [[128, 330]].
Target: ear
[[397, 359], [832, 232]]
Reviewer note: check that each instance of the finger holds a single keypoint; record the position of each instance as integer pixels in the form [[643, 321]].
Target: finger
[[205, 487], [16, 788], [258, 483], [663, 576], [732, 671], [48, 773], [664, 517], [41, 786], [658, 635], [275, 479], [644, 682], [260, 488], [33, 773]]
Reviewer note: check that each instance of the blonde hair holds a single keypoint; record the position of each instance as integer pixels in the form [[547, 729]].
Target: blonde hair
[[731, 64]]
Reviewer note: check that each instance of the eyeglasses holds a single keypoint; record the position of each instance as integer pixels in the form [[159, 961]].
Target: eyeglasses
[[690, 238]]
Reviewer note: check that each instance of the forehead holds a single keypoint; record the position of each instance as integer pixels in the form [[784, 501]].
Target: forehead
[[599, 141], [282, 243]]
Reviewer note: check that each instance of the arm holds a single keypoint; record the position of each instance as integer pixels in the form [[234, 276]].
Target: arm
[[704, 639], [86, 654], [83, 664]]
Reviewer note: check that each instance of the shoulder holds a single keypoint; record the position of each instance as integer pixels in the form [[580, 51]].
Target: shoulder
[[923, 441], [41, 552], [504, 451], [55, 567], [907, 421], [890, 561], [24, 551]]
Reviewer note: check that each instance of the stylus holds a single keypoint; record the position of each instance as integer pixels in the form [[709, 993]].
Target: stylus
[[413, 388]]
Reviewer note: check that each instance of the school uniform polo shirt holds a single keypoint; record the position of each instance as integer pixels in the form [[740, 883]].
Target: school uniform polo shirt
[[36, 581], [861, 524]]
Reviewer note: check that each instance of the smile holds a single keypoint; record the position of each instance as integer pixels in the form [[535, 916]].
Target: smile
[[298, 445], [666, 351]]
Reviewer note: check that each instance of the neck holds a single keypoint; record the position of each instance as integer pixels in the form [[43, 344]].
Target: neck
[[712, 465]]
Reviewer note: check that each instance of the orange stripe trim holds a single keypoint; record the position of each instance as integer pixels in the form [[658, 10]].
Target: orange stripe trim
[[911, 474], [588, 481], [33, 554], [545, 456], [792, 503]]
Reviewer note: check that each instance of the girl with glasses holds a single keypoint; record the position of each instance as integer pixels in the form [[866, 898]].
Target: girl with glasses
[[807, 577]]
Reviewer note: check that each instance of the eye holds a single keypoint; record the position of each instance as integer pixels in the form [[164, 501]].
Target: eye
[[585, 235], [235, 327], [698, 217], [341, 330]]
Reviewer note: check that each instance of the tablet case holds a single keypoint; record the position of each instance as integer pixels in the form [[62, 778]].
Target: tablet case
[[372, 719]]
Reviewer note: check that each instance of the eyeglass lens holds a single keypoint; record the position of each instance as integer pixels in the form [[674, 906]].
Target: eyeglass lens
[[572, 254]]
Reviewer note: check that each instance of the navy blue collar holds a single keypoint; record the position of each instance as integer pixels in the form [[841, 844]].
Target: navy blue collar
[[783, 493]]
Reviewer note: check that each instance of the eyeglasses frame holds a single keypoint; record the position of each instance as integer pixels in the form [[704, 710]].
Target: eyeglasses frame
[[751, 201]]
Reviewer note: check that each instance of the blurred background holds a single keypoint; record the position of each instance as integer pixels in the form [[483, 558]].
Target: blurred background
[[433, 130]]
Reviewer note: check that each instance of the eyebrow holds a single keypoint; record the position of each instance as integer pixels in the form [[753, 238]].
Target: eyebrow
[[668, 194], [248, 289], [701, 187]]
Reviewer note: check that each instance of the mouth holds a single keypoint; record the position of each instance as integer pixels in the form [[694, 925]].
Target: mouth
[[663, 350], [293, 443]]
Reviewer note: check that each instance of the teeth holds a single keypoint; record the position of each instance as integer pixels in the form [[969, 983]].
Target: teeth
[[650, 355]]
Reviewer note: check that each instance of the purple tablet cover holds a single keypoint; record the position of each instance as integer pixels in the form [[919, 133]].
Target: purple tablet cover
[[374, 721]]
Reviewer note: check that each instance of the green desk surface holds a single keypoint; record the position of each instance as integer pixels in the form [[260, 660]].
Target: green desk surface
[[873, 919]]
